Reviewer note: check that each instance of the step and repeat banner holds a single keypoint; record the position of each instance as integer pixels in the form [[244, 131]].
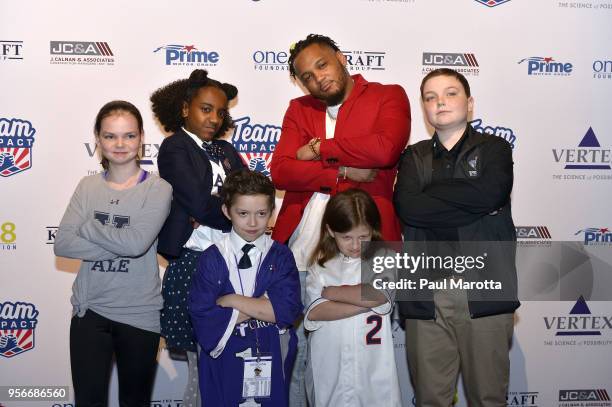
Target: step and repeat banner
[[541, 77]]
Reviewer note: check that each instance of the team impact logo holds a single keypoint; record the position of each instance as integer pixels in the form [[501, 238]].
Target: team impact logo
[[579, 328], [588, 156], [270, 60], [602, 69], [596, 236], [11, 50], [546, 66], [17, 323], [365, 60], [461, 62], [255, 143], [81, 53], [499, 131], [16, 141], [187, 55], [492, 3]]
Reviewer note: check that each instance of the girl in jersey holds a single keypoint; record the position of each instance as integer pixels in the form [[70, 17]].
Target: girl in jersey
[[112, 223], [351, 361], [195, 161]]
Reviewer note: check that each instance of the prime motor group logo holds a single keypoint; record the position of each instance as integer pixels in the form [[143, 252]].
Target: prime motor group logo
[[81, 53], [187, 55], [546, 66], [579, 328], [588, 157], [16, 142], [596, 236], [17, 323], [255, 143], [465, 63]]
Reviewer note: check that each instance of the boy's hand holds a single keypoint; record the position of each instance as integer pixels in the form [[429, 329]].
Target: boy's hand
[[226, 301]]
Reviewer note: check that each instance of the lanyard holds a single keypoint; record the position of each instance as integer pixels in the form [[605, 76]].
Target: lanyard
[[254, 288]]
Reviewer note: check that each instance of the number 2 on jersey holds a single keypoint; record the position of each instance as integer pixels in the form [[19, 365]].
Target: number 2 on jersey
[[371, 338]]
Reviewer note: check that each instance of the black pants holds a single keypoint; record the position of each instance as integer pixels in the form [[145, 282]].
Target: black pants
[[93, 341]]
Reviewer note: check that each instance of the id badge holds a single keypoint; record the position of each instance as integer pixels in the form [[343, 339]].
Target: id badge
[[257, 381]]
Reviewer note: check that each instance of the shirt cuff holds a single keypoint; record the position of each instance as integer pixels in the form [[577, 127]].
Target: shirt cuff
[[384, 309], [309, 324], [226, 335]]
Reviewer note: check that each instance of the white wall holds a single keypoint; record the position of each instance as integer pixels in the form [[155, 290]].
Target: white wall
[[544, 113]]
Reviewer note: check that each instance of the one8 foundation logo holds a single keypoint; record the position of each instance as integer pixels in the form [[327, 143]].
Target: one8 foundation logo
[[16, 141], [8, 236], [17, 323], [255, 143]]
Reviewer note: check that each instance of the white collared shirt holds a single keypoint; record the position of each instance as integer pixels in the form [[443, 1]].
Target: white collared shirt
[[306, 236], [204, 236], [243, 280]]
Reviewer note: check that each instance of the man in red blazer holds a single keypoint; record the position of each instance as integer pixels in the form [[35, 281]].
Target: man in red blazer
[[347, 133], [373, 126]]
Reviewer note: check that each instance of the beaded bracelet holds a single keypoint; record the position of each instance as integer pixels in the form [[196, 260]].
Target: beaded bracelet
[[311, 145]]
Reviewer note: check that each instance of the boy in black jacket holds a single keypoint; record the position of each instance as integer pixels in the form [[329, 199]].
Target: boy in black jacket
[[455, 188]]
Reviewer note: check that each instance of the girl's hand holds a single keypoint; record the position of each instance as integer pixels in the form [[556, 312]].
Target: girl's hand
[[194, 223], [328, 293], [310, 151]]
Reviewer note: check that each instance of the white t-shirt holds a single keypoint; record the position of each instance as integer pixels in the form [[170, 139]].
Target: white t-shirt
[[243, 280], [306, 236]]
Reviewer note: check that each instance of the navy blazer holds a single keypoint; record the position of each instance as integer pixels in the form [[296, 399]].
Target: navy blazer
[[186, 166]]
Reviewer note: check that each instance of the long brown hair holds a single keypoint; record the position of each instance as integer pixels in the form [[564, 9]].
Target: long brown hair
[[111, 108], [345, 211]]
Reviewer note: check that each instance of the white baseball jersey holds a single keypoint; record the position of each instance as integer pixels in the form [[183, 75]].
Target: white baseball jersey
[[351, 361]]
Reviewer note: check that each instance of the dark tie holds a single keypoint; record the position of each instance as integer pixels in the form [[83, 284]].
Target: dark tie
[[245, 261], [214, 151]]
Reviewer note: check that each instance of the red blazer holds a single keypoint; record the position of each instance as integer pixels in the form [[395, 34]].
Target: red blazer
[[372, 130]]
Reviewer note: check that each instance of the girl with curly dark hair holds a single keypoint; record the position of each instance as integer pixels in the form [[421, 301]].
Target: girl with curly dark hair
[[195, 161]]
